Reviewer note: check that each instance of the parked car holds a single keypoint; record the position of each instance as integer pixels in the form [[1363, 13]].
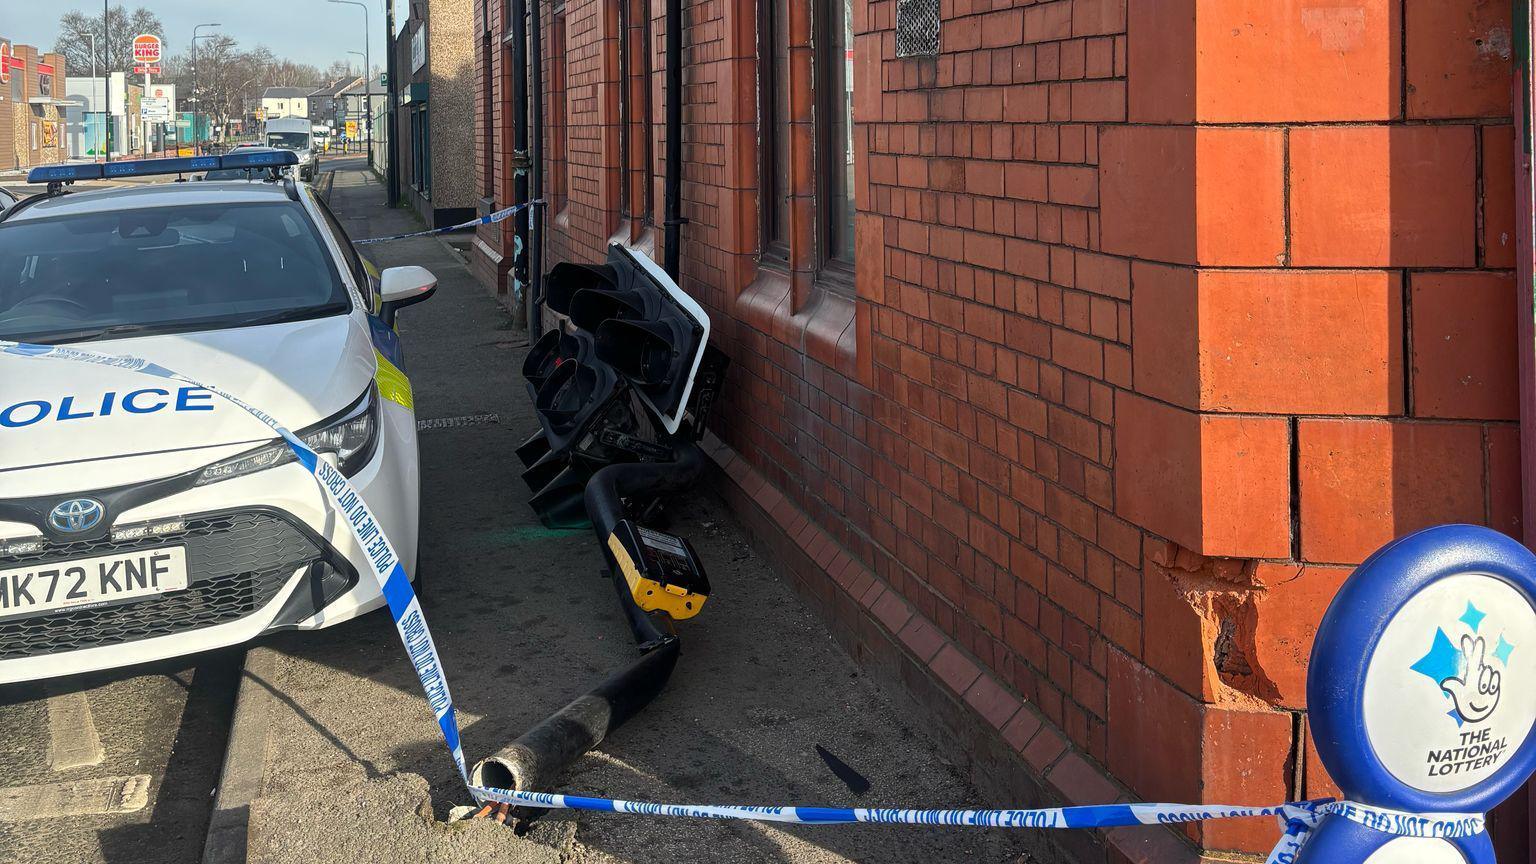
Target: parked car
[[141, 519]]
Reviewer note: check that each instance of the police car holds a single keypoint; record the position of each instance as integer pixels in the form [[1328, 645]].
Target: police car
[[142, 519]]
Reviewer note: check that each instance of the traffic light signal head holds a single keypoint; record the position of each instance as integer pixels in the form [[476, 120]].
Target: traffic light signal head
[[613, 383], [648, 330]]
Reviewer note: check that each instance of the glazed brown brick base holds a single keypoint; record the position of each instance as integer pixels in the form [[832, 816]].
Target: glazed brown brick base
[[490, 271], [1014, 756]]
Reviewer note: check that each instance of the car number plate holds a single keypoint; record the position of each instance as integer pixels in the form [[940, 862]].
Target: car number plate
[[91, 581]]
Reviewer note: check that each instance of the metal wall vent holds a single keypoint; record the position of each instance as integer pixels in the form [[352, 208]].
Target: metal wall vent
[[917, 28]]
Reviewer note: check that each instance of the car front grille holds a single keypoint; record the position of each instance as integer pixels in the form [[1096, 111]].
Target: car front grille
[[236, 563]]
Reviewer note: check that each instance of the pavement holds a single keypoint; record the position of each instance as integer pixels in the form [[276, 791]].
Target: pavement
[[334, 756]]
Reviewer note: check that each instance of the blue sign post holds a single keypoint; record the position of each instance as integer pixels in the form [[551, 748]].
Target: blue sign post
[[1422, 691]]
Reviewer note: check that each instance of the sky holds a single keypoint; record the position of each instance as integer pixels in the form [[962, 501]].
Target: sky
[[306, 31]]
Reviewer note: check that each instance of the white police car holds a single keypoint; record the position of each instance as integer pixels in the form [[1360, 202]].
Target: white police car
[[141, 519]]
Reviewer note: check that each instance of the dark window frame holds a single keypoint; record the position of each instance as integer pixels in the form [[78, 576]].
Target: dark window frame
[[556, 107], [772, 248], [636, 115], [648, 47], [421, 151], [835, 264], [426, 150]]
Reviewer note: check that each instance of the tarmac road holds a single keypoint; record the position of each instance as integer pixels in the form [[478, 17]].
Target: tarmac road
[[117, 768]]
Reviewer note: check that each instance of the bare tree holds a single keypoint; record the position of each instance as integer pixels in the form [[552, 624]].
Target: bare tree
[[230, 79], [286, 73], [114, 45]]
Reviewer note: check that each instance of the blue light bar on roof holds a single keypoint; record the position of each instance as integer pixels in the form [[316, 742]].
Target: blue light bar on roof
[[150, 167], [147, 167], [59, 173], [259, 159]]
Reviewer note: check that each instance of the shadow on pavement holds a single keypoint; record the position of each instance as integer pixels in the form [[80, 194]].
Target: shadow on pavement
[[178, 821]]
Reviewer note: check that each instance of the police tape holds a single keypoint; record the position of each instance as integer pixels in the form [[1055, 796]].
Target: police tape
[[498, 216], [385, 565], [1297, 819]]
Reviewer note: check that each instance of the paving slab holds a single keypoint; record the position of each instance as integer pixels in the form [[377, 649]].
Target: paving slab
[[335, 756]]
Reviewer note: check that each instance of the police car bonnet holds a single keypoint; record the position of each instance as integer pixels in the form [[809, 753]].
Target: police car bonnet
[[53, 412]]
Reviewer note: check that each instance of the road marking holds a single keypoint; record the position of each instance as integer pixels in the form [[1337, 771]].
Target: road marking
[[77, 798], [458, 422], [72, 738]]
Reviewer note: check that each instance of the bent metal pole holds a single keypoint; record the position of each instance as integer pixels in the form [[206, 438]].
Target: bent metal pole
[[536, 760]]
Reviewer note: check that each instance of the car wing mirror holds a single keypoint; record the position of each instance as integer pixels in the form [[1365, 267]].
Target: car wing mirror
[[400, 287]]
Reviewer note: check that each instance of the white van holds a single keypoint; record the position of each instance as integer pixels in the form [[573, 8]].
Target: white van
[[296, 134]]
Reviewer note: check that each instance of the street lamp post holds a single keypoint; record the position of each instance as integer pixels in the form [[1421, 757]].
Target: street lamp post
[[106, 36], [245, 103], [367, 72], [366, 88], [196, 109], [92, 37]]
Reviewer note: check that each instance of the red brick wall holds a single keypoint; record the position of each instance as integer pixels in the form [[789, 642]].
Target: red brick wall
[[1163, 319], [1323, 322], [493, 132]]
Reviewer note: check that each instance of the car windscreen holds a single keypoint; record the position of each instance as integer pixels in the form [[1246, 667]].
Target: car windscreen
[[233, 174], [288, 140], [163, 269]]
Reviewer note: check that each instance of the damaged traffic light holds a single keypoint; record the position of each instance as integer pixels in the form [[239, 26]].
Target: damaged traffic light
[[628, 371]]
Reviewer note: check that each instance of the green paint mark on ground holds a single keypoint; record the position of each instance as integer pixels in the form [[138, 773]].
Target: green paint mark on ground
[[513, 535]]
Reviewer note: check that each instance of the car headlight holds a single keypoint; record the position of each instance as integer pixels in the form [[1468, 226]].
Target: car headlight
[[352, 436]]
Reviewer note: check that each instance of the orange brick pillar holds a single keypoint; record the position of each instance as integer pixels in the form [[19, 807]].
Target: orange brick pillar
[[1316, 198]]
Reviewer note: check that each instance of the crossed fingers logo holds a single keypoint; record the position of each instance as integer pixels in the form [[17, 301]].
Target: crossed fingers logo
[[1476, 692], [1469, 674]]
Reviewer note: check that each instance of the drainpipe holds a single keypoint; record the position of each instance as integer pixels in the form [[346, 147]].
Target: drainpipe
[[517, 11], [536, 154], [671, 251], [391, 93]]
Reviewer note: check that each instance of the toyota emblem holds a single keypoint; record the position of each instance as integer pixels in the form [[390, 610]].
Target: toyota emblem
[[76, 515]]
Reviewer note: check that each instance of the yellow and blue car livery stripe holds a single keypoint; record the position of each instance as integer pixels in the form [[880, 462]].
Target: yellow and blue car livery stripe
[[391, 377], [393, 385]]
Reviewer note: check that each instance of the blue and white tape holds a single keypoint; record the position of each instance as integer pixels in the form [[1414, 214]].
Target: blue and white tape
[[1297, 820], [498, 216], [387, 570]]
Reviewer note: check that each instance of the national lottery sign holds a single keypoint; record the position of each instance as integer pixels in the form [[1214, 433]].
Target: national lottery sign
[[1421, 691]]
